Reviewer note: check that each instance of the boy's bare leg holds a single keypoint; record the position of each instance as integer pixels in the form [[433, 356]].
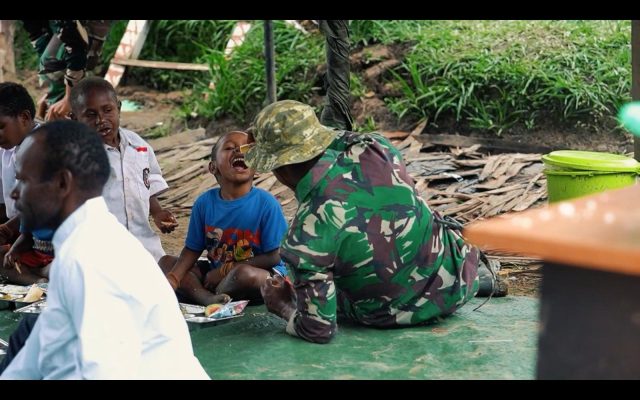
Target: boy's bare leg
[[243, 282], [26, 276], [191, 284], [166, 263], [191, 288]]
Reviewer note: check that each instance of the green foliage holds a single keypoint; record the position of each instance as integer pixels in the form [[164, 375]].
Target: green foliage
[[494, 75], [481, 75], [240, 81], [171, 40], [112, 41], [25, 56], [369, 125]]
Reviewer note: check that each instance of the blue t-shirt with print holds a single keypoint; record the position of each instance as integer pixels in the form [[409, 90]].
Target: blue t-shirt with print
[[235, 230]]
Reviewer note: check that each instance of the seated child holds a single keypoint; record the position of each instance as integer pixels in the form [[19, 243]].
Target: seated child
[[26, 256], [136, 179], [239, 226]]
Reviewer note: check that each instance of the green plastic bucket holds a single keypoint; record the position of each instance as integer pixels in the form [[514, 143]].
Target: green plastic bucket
[[571, 174]]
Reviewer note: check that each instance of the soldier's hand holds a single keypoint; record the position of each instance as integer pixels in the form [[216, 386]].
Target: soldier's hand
[[279, 296]]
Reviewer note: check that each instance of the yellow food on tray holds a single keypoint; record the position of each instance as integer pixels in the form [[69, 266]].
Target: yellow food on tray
[[34, 294]]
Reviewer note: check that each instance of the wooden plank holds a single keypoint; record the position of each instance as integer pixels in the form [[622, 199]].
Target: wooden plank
[[199, 154], [491, 164], [275, 192], [238, 36], [395, 134], [129, 48], [267, 184], [169, 143], [427, 157], [405, 143], [444, 200], [503, 167], [531, 199], [495, 145], [160, 64], [184, 172], [471, 163], [448, 175]]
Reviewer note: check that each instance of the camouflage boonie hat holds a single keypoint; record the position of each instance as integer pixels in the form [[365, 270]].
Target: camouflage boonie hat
[[286, 132]]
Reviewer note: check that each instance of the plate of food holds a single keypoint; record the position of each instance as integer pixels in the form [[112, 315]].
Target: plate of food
[[215, 314], [191, 310], [14, 290], [19, 296], [33, 308]]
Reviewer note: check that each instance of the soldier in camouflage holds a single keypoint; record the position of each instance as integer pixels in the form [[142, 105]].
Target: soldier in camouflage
[[66, 50], [362, 243]]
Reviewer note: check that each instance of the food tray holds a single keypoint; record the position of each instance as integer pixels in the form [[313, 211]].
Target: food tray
[[194, 315], [11, 295], [33, 308]]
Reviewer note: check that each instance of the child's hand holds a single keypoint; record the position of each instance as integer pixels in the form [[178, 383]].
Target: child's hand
[[10, 260], [165, 221]]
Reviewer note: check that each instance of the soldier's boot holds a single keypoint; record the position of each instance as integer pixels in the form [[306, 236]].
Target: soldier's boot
[[491, 284]]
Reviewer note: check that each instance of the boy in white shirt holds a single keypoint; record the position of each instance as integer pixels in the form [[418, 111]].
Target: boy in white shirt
[[135, 179]]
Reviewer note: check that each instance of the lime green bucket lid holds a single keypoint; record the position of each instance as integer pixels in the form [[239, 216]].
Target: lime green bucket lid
[[591, 161]]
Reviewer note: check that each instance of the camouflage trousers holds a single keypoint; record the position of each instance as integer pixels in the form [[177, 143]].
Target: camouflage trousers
[[66, 48]]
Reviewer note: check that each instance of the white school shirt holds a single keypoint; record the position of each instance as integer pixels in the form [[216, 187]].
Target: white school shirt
[[8, 176], [111, 313], [135, 176]]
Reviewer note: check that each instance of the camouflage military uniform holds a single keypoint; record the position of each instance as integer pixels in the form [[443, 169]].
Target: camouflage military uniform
[[362, 242], [66, 48]]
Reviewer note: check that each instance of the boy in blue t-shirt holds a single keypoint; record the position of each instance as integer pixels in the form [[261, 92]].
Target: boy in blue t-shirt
[[239, 226]]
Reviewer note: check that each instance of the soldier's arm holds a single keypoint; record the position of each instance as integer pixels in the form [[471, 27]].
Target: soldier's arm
[[315, 316]]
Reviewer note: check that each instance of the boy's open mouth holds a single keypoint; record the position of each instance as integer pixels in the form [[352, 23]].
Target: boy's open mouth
[[237, 162]]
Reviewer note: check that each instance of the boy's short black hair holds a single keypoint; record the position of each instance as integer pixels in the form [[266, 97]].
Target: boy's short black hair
[[78, 148], [14, 99], [216, 146], [82, 88]]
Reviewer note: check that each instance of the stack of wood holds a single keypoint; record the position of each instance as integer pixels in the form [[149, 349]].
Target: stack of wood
[[462, 183]]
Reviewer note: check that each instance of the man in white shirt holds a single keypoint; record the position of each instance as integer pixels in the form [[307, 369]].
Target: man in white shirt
[[111, 313]]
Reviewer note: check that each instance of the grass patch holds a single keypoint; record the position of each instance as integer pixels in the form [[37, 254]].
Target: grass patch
[[240, 82], [496, 75], [171, 40], [486, 76]]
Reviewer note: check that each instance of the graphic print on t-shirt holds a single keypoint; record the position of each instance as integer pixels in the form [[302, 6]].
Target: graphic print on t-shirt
[[229, 245]]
